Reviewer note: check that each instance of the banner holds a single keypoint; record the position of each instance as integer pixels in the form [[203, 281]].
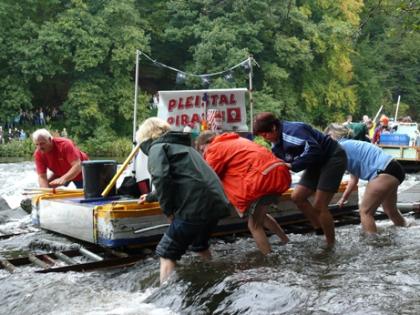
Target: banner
[[224, 107]]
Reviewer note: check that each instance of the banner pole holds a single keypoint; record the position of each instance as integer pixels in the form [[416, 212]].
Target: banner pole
[[136, 93], [251, 101]]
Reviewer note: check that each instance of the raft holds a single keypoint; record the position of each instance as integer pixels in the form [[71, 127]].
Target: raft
[[403, 145], [122, 222]]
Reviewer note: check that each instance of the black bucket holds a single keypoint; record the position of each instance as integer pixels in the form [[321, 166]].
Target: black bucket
[[96, 177]]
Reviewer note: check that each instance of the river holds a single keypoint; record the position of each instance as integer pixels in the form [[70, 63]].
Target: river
[[361, 275]]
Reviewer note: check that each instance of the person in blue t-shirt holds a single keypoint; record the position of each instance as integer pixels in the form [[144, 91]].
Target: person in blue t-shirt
[[383, 173], [322, 159]]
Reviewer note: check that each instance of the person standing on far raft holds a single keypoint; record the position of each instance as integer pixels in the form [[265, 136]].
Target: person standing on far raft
[[60, 156], [324, 161]]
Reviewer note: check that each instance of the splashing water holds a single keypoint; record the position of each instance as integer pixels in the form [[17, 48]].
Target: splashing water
[[361, 275]]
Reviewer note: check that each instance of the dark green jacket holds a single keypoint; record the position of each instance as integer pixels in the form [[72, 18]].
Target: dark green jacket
[[185, 185]]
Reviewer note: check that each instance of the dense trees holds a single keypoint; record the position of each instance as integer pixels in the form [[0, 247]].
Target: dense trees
[[317, 60]]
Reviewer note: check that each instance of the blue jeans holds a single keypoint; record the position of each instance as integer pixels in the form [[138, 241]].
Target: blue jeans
[[181, 234]]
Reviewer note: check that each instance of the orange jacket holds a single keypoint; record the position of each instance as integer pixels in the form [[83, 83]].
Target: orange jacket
[[247, 170]]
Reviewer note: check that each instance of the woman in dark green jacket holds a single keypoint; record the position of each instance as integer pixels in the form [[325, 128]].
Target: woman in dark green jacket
[[189, 192]]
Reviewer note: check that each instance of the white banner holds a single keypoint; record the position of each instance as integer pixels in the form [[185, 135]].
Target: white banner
[[189, 107]]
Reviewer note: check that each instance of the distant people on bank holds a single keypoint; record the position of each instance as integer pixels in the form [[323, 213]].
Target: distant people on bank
[[189, 192], [1, 135], [41, 117], [368, 162], [406, 119], [64, 133], [10, 135], [324, 161], [382, 128], [59, 155], [22, 135], [361, 130], [349, 120], [252, 177]]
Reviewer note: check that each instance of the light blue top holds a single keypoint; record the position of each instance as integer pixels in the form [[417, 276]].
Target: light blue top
[[364, 159]]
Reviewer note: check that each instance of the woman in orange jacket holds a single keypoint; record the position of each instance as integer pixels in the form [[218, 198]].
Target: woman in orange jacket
[[252, 178]]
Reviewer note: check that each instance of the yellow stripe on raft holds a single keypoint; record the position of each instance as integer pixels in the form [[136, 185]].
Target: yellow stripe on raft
[[126, 210], [58, 195]]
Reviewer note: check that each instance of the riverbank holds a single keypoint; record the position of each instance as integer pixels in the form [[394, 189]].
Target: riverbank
[[104, 147]]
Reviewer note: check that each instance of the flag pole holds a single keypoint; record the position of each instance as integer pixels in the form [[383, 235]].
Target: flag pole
[[136, 93], [251, 101]]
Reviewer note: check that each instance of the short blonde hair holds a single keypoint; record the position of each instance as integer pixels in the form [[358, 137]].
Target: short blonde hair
[[41, 134], [338, 131], [152, 128]]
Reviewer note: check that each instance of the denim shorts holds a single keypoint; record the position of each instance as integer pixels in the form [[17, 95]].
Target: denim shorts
[[181, 234]]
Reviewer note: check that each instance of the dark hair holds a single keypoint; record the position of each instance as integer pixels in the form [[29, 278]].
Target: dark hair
[[264, 122]]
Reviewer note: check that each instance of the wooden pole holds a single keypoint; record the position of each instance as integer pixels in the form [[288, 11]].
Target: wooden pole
[[377, 114], [52, 190], [120, 171], [398, 106]]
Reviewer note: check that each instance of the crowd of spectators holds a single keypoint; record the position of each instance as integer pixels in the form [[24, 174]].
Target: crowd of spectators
[[14, 128]]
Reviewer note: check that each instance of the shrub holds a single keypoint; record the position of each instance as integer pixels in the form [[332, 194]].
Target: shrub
[[17, 148]]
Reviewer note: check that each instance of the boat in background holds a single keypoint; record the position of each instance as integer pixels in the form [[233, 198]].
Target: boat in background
[[403, 145], [120, 222]]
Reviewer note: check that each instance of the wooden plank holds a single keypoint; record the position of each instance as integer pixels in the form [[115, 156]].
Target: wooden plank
[[7, 265], [118, 262]]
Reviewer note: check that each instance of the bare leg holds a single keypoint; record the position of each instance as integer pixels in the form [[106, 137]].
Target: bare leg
[[255, 225], [321, 202], [205, 254], [300, 197], [377, 191], [167, 267], [271, 224], [390, 205]]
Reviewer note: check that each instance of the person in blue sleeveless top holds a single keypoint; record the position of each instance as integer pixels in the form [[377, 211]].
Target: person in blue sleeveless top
[[324, 161], [383, 173]]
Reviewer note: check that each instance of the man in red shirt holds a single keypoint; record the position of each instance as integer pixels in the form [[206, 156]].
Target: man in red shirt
[[60, 156]]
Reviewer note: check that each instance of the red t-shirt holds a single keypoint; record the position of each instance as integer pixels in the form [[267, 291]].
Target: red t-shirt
[[59, 159]]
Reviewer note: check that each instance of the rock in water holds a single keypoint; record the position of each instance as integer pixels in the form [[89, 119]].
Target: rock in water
[[3, 204], [26, 205]]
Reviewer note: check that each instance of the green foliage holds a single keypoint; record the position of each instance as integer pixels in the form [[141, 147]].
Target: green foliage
[[261, 141], [103, 146], [107, 146], [17, 148], [317, 60], [387, 57]]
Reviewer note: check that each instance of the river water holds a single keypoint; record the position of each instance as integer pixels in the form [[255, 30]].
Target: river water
[[361, 275]]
